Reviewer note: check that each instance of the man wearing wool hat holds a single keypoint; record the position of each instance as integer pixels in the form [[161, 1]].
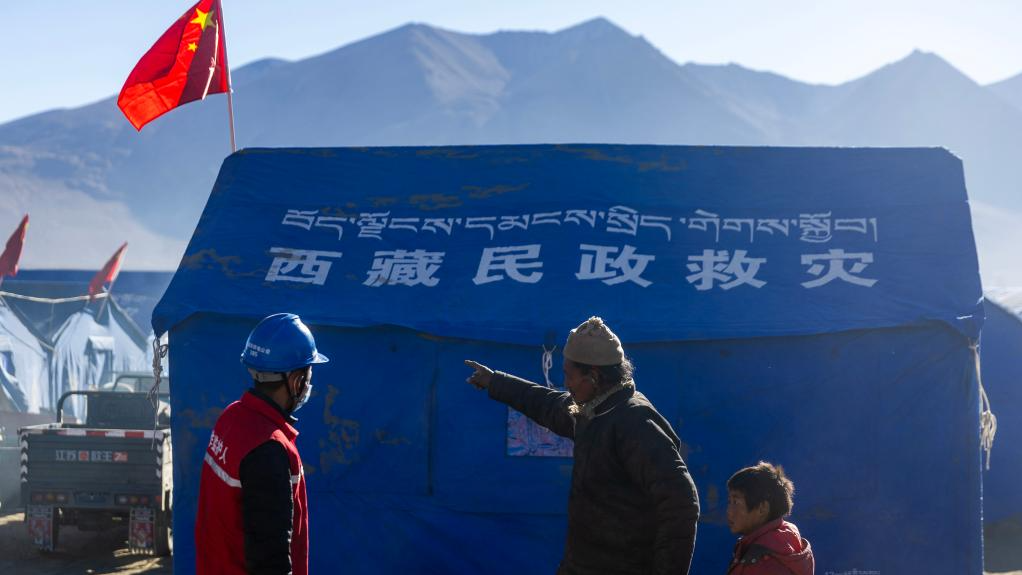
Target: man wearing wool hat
[[633, 506]]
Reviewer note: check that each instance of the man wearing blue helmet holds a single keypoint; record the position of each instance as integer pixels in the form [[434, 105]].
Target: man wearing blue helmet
[[253, 513]]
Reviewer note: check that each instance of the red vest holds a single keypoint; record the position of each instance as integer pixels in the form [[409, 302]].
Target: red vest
[[219, 536]]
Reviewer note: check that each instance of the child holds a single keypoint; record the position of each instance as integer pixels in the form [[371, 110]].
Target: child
[[759, 498]]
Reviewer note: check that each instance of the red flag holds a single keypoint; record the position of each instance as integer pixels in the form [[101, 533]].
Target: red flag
[[108, 274], [12, 253], [187, 63]]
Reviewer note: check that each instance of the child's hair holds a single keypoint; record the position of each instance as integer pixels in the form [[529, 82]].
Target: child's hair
[[764, 482]]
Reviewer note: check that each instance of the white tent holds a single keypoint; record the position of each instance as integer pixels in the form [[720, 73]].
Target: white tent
[[91, 346], [24, 365]]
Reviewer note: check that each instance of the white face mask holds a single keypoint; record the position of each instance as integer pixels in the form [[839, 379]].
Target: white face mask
[[303, 399]]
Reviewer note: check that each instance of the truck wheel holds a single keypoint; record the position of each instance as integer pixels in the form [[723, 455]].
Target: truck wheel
[[163, 538]]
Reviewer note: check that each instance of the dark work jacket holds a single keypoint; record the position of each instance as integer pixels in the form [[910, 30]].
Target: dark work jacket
[[252, 514], [267, 504], [633, 506]]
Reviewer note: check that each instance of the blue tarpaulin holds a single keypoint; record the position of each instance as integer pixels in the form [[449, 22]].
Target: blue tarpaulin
[[813, 307], [1001, 365], [135, 291]]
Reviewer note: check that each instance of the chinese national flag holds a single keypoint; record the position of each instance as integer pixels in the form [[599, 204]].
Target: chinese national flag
[[108, 274], [12, 253], [188, 62]]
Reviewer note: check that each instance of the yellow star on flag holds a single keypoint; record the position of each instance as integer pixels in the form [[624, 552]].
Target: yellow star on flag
[[202, 18], [192, 47]]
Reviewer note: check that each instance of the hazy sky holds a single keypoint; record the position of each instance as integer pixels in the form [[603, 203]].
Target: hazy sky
[[64, 53]]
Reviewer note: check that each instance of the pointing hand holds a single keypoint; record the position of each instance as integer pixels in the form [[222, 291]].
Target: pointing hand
[[481, 376]]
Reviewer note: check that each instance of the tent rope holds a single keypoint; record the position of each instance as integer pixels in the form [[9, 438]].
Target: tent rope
[[548, 363], [159, 352], [52, 300], [987, 419]]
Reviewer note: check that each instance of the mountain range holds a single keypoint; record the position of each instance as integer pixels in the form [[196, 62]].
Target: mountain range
[[90, 181]]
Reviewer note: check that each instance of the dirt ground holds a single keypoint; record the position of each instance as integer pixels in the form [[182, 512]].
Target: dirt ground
[[77, 553], [107, 552]]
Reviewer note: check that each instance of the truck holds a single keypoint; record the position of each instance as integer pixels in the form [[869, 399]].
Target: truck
[[112, 469], [140, 381], [10, 453]]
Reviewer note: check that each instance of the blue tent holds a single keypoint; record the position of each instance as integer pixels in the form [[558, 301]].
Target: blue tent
[[814, 307], [1001, 366], [24, 364]]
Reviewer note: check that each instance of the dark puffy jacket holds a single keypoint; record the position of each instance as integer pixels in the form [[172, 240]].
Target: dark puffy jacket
[[633, 506]]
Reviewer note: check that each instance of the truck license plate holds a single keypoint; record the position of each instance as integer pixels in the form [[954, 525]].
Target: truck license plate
[[141, 528], [40, 526]]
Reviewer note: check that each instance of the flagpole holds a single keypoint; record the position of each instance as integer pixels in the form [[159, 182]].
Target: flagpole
[[230, 88], [230, 115], [109, 294], [102, 305]]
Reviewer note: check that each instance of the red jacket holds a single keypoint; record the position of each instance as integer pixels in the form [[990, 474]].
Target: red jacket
[[774, 549], [219, 530]]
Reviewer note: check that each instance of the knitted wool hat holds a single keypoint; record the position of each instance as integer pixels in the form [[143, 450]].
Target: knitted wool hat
[[592, 343]]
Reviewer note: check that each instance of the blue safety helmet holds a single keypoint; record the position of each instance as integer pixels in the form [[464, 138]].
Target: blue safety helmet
[[281, 343]]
